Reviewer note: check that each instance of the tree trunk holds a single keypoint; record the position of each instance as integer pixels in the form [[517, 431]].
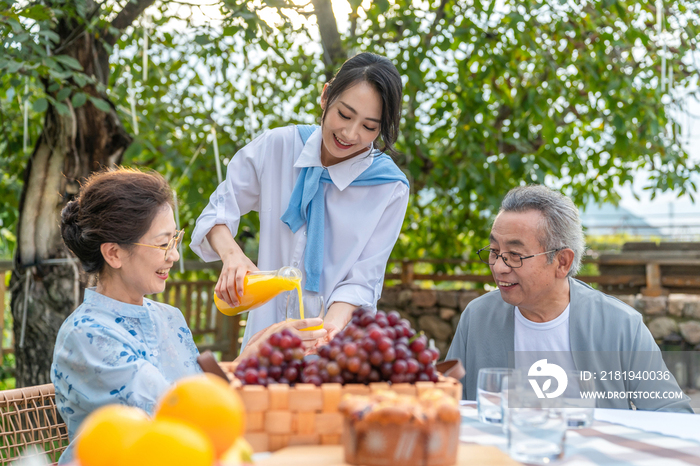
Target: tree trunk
[[69, 149], [333, 52]]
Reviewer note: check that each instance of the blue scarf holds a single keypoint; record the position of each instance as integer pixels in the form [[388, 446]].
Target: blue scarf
[[307, 202]]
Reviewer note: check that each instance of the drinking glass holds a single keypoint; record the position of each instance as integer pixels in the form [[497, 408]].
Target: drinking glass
[[314, 306], [488, 394], [536, 431], [578, 408], [508, 379]]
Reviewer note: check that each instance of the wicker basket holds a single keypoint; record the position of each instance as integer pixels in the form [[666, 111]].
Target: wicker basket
[[279, 415], [28, 417]]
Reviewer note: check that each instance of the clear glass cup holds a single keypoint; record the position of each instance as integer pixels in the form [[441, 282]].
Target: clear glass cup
[[504, 401], [314, 306], [488, 394], [536, 430], [578, 409]]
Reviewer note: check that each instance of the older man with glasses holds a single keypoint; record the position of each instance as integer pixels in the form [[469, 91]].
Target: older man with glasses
[[534, 252]]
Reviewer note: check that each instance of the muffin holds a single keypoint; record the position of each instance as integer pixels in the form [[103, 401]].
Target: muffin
[[387, 429]]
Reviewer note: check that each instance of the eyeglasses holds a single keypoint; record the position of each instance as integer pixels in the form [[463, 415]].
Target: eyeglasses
[[172, 244], [511, 259]]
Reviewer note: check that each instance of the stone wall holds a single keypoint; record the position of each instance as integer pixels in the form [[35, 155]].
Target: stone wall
[[673, 320]]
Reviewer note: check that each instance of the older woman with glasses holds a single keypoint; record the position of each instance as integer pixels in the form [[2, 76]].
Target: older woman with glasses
[[118, 346]]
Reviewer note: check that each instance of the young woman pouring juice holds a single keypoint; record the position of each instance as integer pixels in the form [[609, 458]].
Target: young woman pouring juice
[[330, 202]]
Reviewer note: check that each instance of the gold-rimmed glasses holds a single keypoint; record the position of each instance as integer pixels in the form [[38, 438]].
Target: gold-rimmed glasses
[[172, 244]]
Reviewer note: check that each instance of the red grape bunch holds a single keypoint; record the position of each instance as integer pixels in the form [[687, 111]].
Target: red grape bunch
[[280, 360], [379, 347]]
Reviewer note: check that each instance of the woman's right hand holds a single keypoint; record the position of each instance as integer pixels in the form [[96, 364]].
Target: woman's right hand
[[230, 284], [236, 264]]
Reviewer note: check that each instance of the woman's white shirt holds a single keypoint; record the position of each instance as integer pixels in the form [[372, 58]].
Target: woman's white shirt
[[362, 223]]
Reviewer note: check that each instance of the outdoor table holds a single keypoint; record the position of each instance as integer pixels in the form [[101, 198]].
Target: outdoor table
[[616, 437], [332, 455]]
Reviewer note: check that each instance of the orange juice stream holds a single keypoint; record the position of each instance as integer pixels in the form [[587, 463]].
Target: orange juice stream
[[301, 312], [257, 290]]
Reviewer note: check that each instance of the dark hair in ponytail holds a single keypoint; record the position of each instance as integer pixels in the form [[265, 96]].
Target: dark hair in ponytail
[[381, 74], [113, 206]]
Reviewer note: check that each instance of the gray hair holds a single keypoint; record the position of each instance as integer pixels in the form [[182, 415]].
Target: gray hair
[[561, 224]]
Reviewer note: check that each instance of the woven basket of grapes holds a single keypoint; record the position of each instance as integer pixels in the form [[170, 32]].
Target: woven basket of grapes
[[293, 399]]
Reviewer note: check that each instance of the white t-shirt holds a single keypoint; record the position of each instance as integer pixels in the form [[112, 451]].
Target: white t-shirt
[[548, 339], [361, 226]]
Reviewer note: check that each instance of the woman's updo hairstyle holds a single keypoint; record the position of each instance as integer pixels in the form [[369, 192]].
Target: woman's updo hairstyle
[[113, 206], [381, 74]]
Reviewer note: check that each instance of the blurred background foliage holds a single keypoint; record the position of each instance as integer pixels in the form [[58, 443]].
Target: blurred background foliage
[[497, 94]]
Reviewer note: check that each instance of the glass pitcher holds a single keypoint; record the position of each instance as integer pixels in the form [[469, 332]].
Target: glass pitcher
[[260, 287]]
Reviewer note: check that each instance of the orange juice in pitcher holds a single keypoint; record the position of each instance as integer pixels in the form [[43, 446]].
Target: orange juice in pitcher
[[261, 287]]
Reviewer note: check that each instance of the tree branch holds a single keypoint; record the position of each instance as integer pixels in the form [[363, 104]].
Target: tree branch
[[439, 15], [79, 30], [193, 5], [128, 15], [354, 16]]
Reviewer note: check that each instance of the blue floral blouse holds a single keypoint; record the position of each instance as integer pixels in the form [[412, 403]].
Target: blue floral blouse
[[111, 352]]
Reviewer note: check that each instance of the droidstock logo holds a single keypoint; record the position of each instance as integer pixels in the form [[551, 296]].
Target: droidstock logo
[[542, 368]]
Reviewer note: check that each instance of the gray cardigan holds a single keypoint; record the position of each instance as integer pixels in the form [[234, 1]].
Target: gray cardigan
[[597, 323]]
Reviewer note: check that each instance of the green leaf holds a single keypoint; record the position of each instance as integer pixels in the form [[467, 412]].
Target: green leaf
[[13, 66], [100, 104], [78, 99], [22, 38], [60, 75], [79, 79], [50, 35], [37, 12], [63, 94], [70, 62], [383, 5], [133, 150], [40, 105], [62, 109]]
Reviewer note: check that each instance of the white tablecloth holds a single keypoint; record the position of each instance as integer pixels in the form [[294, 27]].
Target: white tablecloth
[[680, 425], [616, 438]]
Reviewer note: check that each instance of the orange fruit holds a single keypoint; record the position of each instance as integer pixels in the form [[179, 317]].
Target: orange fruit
[[207, 402], [170, 443], [107, 432]]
